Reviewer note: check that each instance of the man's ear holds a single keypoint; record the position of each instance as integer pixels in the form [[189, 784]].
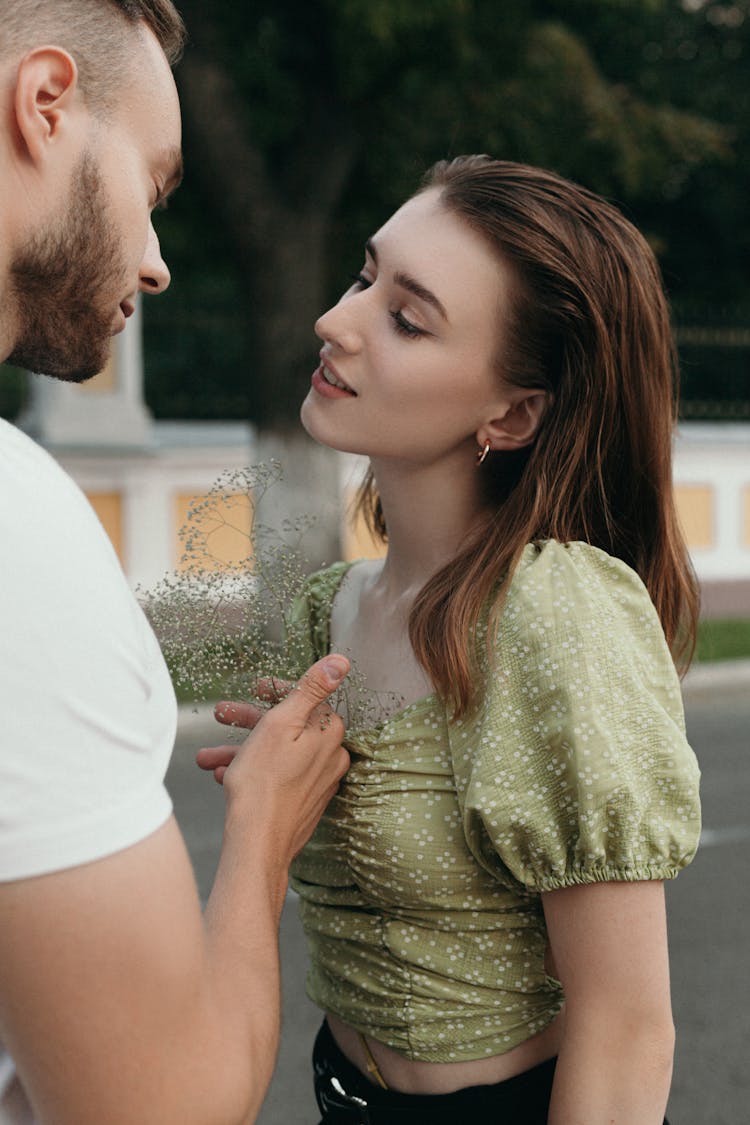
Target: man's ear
[[518, 423], [46, 87]]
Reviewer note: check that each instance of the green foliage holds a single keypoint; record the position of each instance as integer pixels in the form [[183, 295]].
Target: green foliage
[[723, 639], [330, 111], [222, 625], [13, 385], [229, 630]]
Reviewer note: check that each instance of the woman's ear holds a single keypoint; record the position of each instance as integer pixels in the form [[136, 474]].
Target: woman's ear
[[46, 87], [518, 423]]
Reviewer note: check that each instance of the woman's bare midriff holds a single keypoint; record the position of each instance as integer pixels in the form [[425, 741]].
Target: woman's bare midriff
[[411, 1077]]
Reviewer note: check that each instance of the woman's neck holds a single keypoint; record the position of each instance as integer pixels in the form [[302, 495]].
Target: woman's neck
[[430, 511]]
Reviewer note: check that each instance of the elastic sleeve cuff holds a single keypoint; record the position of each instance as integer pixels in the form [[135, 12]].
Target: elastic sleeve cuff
[[608, 874]]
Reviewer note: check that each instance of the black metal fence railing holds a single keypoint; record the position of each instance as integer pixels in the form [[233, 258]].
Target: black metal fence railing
[[714, 373], [714, 348], [199, 366]]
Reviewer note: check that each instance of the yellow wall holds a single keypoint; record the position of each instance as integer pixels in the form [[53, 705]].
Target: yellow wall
[[106, 380], [222, 536], [696, 511], [108, 507], [358, 542], [695, 508], [229, 523]]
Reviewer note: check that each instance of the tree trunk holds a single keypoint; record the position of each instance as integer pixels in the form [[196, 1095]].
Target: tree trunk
[[280, 227]]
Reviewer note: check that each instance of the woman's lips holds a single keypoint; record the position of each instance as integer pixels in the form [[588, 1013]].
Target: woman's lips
[[330, 390]]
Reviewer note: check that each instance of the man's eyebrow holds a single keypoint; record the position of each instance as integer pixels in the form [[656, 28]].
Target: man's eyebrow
[[409, 283], [172, 160]]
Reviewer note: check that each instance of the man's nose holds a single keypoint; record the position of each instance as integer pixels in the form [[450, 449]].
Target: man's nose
[[153, 276]]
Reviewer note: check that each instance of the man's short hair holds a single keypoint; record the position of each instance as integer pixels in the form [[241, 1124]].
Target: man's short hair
[[95, 33]]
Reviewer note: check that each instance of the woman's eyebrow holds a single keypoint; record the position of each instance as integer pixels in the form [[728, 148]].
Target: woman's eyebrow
[[409, 283]]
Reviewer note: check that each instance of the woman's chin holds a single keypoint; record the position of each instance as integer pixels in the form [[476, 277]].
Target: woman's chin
[[318, 431]]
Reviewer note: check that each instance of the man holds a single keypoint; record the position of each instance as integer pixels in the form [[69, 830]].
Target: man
[[119, 1002]]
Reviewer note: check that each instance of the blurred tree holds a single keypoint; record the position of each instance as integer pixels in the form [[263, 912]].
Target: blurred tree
[[13, 389], [307, 121], [691, 55]]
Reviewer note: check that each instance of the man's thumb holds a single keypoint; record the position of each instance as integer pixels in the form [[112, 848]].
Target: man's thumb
[[321, 679], [334, 667]]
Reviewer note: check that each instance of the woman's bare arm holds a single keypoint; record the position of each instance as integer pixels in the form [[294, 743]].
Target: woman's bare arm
[[609, 944]]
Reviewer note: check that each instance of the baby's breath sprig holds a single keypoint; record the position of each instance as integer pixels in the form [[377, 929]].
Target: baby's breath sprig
[[228, 628]]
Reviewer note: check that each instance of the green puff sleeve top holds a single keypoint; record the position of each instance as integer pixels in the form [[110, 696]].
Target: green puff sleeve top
[[420, 889]]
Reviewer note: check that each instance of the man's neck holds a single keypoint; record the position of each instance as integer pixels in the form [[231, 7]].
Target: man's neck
[[6, 318], [15, 208]]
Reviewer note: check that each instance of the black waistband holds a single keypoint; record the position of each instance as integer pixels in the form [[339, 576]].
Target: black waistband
[[346, 1097]]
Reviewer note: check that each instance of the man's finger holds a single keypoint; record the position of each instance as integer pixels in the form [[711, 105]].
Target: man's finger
[[244, 715], [272, 690], [312, 689], [211, 757]]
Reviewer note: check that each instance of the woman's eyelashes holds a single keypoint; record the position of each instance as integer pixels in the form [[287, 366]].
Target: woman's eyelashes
[[400, 323], [404, 326]]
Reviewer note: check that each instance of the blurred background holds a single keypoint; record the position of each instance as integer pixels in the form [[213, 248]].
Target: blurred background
[[306, 123]]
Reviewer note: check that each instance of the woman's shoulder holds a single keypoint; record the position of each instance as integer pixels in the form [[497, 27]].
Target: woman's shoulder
[[322, 584], [573, 606], [315, 598], [575, 568], [575, 585], [307, 623], [577, 764]]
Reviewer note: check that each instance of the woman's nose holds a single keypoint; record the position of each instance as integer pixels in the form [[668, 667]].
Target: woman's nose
[[337, 327]]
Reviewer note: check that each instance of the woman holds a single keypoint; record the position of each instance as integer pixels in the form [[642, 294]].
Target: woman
[[483, 899]]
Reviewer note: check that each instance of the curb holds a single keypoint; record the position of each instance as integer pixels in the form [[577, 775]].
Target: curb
[[720, 675]]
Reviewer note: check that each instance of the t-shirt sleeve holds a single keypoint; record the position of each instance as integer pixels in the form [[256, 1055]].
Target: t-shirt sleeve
[[577, 770], [87, 710]]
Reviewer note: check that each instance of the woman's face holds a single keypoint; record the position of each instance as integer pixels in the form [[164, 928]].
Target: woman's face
[[414, 342]]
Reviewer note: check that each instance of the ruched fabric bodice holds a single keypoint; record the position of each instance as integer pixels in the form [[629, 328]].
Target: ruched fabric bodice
[[420, 891]]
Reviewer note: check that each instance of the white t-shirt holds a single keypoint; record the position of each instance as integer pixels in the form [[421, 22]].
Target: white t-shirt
[[87, 709]]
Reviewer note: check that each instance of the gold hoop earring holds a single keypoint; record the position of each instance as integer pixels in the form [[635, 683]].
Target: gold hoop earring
[[482, 454]]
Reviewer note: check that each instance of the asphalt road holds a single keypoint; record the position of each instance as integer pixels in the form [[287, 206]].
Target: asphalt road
[[709, 912]]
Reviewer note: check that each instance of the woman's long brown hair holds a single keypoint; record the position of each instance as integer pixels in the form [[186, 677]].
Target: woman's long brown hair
[[589, 324]]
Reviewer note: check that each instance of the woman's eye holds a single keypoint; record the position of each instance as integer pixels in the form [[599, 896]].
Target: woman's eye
[[404, 326], [400, 323]]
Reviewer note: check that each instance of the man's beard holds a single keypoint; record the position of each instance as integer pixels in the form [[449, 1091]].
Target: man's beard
[[64, 286]]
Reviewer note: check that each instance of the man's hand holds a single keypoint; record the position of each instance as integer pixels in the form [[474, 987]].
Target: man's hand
[[290, 766], [241, 716]]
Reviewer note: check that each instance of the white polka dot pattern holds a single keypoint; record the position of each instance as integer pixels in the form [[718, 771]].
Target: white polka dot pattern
[[420, 890]]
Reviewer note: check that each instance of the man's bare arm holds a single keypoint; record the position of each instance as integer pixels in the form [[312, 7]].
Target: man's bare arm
[[118, 1000]]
